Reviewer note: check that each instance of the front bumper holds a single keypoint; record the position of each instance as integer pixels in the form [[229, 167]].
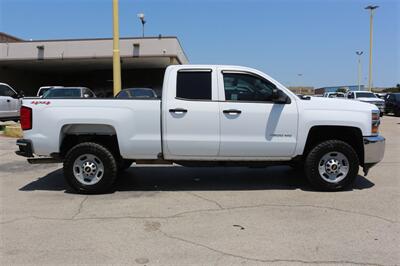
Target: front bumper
[[374, 149], [25, 148]]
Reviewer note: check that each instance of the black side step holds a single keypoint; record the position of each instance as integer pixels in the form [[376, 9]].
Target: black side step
[[44, 160]]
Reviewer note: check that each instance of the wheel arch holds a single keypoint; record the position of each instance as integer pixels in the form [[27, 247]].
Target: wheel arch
[[348, 134], [74, 134]]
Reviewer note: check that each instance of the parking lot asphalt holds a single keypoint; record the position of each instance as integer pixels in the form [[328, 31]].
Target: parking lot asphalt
[[189, 216]]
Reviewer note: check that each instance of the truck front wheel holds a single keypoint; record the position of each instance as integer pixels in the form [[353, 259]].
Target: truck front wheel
[[331, 165], [90, 168]]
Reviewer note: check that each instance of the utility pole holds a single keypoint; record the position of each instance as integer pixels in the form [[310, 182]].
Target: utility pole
[[116, 56], [359, 53], [371, 9]]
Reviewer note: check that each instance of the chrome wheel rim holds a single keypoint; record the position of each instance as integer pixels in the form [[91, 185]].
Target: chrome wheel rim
[[88, 169], [333, 167]]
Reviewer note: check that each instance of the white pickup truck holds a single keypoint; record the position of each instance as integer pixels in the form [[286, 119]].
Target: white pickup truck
[[208, 116]]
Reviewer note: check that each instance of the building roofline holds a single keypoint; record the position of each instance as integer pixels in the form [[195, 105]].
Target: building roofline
[[95, 39], [179, 49], [108, 39], [16, 39]]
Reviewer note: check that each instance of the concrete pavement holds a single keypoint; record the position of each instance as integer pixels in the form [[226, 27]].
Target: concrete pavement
[[200, 216]]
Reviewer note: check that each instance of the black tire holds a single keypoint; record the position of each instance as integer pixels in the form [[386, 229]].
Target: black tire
[[107, 159], [316, 154], [297, 166], [124, 164]]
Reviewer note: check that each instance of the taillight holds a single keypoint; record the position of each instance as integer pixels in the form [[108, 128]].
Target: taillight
[[26, 118]]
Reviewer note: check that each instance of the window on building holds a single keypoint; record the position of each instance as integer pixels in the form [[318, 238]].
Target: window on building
[[194, 85]]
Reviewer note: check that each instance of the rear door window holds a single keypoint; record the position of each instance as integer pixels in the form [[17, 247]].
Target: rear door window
[[194, 85]]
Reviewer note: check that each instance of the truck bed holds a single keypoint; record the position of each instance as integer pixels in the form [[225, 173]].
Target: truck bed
[[137, 122]]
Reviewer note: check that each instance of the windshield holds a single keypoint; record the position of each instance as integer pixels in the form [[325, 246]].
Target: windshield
[[43, 91], [6, 91], [365, 95], [142, 93], [63, 93]]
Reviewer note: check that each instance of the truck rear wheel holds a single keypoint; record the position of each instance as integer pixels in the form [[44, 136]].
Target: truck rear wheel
[[331, 165], [90, 168]]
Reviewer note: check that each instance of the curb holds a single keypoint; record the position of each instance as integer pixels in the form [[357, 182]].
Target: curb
[[14, 131]]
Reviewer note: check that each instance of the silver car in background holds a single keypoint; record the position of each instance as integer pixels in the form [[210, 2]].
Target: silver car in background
[[10, 103]]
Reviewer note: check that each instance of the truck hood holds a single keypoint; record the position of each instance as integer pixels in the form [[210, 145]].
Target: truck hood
[[370, 100], [321, 103]]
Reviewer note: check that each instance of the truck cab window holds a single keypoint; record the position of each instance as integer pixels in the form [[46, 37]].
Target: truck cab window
[[245, 87], [6, 91], [194, 85]]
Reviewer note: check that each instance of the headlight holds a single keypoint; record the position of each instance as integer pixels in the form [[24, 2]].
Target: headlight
[[376, 121]]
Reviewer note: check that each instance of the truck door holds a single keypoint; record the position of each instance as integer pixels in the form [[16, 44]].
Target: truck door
[[252, 126], [190, 114]]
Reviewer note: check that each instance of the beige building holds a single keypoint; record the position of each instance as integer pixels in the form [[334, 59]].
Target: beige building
[[28, 65], [302, 90]]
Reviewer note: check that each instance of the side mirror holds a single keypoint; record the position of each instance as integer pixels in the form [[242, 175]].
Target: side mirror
[[21, 94], [280, 97], [86, 95]]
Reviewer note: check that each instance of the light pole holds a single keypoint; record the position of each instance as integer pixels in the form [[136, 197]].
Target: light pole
[[116, 56], [359, 53], [300, 86], [141, 17], [371, 8]]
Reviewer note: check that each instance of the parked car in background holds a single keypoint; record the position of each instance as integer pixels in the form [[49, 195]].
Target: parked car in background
[[9, 103], [69, 92], [392, 104], [136, 93], [381, 95], [42, 90], [367, 97], [334, 95]]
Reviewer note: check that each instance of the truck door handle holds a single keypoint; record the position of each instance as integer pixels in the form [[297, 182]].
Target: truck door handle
[[178, 111], [8, 100], [232, 111]]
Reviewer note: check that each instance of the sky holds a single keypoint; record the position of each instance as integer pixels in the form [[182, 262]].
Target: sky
[[297, 42]]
